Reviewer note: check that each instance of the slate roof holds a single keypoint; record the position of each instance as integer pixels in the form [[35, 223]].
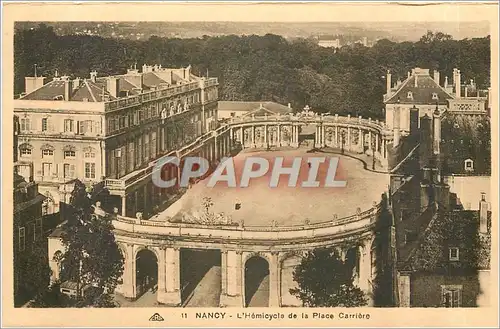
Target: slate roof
[[92, 92], [422, 93]]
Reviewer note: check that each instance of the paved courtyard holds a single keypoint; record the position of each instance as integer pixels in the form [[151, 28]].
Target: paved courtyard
[[260, 204]]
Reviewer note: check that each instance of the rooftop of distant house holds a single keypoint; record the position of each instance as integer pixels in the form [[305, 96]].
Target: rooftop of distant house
[[107, 88], [255, 108], [420, 88]]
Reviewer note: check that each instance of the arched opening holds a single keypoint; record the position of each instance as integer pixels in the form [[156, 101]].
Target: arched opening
[[201, 277], [352, 263], [256, 282], [287, 267], [146, 272]]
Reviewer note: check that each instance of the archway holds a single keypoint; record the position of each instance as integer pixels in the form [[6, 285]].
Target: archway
[[200, 277], [146, 272], [352, 263], [256, 282], [288, 265]]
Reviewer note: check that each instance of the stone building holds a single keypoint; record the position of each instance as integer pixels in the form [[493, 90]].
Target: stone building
[[109, 129], [441, 250], [423, 91], [28, 231]]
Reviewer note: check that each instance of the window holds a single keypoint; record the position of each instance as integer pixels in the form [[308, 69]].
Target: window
[[47, 153], [69, 170], [22, 238], [85, 126], [68, 125], [89, 170], [25, 124], [45, 124], [130, 157], [434, 96], [46, 169], [452, 296], [69, 154], [469, 165], [454, 254], [37, 229], [410, 95], [25, 152], [89, 154]]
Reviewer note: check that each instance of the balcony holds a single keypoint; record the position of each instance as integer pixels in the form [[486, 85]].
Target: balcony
[[154, 95]]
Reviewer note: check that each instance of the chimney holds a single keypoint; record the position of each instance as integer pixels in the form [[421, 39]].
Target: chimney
[[409, 74], [76, 83], [112, 86], [93, 76], [388, 84], [483, 214], [416, 80], [187, 72], [33, 83], [445, 82], [289, 105], [414, 120], [68, 89], [437, 131], [436, 76], [425, 149], [456, 80]]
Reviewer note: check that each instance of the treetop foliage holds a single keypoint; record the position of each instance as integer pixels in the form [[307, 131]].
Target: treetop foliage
[[349, 80]]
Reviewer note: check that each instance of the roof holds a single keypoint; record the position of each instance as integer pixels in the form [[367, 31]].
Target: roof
[[58, 231], [85, 90], [150, 79], [256, 108], [18, 207], [422, 92]]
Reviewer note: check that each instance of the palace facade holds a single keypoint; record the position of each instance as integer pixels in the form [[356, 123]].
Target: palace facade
[[108, 129]]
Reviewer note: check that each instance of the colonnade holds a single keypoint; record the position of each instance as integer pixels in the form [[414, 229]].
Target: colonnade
[[233, 280]]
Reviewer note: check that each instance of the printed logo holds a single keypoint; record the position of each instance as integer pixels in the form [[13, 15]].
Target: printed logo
[[156, 317]]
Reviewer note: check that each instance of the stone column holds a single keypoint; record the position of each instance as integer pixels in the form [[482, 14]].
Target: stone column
[[265, 135], [216, 145], [232, 296], [348, 139], [223, 256], [376, 143], [172, 282], [274, 280], [323, 143], [360, 140], [242, 136], [316, 136], [365, 268], [278, 131], [404, 282], [370, 151], [124, 205], [128, 288], [253, 136], [336, 137], [162, 275]]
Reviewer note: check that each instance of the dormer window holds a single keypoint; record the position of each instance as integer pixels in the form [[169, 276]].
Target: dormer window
[[469, 165], [454, 254], [435, 96], [409, 95]]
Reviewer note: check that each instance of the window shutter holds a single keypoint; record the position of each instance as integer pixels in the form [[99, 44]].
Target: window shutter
[[72, 170], [81, 127]]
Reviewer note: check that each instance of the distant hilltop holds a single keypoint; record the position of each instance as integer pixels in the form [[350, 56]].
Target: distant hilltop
[[396, 31]]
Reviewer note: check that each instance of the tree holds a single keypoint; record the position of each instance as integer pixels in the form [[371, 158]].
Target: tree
[[324, 280], [92, 257]]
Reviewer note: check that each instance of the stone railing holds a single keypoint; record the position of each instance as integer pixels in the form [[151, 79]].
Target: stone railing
[[151, 95], [359, 222], [139, 174], [470, 105], [324, 119]]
